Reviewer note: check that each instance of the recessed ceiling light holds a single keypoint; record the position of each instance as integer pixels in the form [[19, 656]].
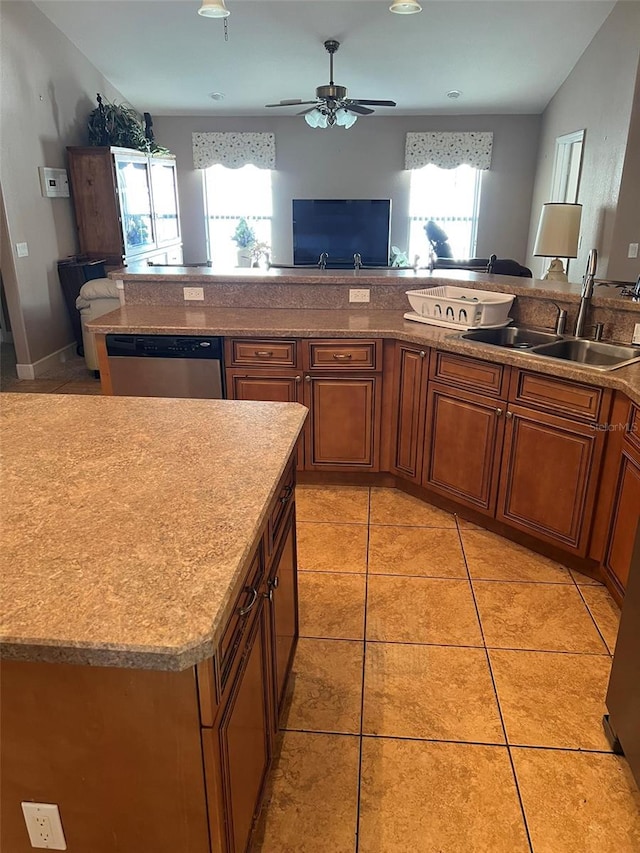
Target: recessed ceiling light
[[454, 93], [217, 96]]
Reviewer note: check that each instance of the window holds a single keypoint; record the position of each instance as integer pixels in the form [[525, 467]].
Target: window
[[450, 197], [231, 195]]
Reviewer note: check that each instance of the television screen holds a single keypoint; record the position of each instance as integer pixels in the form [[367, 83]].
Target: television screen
[[341, 228]]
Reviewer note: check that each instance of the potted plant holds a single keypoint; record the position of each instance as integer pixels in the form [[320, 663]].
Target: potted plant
[[244, 238]]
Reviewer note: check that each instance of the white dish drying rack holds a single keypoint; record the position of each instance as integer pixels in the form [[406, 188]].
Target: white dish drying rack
[[459, 307]]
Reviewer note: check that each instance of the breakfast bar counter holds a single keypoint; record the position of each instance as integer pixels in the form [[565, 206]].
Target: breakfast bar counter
[[128, 523]]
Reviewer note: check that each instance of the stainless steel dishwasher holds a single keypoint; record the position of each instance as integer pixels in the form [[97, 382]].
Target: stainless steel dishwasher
[[165, 366]]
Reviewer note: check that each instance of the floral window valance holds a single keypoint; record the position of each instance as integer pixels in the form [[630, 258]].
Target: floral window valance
[[234, 150], [448, 150]]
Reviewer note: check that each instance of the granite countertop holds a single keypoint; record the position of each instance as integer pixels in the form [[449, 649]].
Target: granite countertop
[[307, 323], [128, 523]]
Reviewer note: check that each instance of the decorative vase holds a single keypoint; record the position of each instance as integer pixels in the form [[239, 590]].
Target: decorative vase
[[244, 257]]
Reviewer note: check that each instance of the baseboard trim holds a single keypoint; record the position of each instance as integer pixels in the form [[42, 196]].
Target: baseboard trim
[[37, 368]]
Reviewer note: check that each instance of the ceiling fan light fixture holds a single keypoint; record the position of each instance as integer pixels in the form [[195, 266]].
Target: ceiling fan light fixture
[[316, 118], [213, 9], [405, 7], [345, 119]]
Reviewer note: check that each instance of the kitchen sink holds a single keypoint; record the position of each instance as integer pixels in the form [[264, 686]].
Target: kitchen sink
[[512, 337], [595, 354]]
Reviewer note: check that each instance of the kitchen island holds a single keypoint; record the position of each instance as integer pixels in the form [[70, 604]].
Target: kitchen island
[[149, 615]]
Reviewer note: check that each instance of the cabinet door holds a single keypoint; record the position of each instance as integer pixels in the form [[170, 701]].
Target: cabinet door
[[624, 519], [344, 422], [164, 187], [550, 468], [409, 412], [283, 598], [136, 210], [462, 446], [245, 738], [281, 388]]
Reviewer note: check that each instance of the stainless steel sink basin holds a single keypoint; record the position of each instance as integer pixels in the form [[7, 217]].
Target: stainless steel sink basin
[[512, 337], [593, 353]]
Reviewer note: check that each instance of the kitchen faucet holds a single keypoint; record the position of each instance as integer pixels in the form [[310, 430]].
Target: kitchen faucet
[[322, 260], [586, 293], [357, 260]]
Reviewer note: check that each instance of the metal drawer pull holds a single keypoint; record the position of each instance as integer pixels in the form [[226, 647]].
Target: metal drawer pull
[[422, 353], [509, 415], [264, 353], [274, 584], [498, 412], [254, 598], [298, 378], [307, 378], [342, 356], [288, 491]]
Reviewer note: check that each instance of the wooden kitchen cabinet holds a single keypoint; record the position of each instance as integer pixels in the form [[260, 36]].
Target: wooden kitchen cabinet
[[343, 391], [625, 516], [272, 386], [463, 446], [126, 205], [408, 411], [282, 594], [549, 474]]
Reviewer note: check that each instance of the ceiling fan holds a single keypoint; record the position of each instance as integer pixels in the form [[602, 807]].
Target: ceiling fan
[[332, 106]]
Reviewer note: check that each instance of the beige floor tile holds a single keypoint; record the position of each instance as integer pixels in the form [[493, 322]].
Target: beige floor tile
[[605, 611], [491, 557], [583, 580], [332, 547], [416, 551], [421, 610], [421, 797], [331, 605], [436, 692], [326, 686], [391, 506], [578, 802], [550, 699], [332, 503], [311, 798], [536, 616]]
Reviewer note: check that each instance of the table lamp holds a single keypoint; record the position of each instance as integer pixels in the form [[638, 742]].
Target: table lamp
[[557, 237]]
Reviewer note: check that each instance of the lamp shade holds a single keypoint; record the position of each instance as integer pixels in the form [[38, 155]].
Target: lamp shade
[[405, 7], [558, 231], [213, 9]]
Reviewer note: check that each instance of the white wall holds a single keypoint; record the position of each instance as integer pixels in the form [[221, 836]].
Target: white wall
[[366, 161], [596, 96], [48, 91]]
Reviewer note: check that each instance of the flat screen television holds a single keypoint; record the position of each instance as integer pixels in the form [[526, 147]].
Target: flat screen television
[[341, 228]]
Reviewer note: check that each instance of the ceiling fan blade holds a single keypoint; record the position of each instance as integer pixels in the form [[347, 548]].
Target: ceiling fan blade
[[357, 108], [292, 102], [375, 103]]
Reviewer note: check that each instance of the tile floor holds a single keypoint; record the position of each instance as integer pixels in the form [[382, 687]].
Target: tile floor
[[69, 377], [447, 693]]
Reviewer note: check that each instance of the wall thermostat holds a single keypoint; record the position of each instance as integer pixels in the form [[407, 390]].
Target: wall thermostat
[[54, 183]]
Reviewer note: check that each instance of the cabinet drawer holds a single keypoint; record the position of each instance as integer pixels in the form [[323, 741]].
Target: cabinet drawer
[[243, 610], [345, 355], [483, 377], [557, 396], [266, 352], [633, 433], [279, 511]]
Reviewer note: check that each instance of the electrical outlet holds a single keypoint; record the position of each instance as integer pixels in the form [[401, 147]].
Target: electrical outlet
[[359, 295], [22, 250], [633, 250], [635, 340], [195, 293], [44, 826]]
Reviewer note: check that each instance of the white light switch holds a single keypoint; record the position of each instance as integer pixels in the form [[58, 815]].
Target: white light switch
[[633, 250], [22, 250], [193, 293]]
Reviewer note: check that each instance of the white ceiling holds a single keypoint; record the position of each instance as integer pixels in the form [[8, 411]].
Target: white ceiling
[[505, 56]]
